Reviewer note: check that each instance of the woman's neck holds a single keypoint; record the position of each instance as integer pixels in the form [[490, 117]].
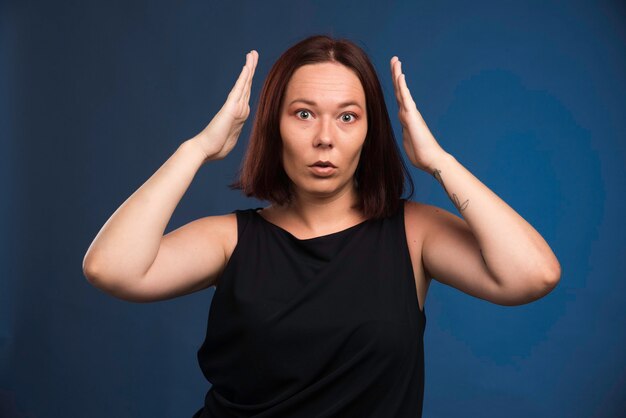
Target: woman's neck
[[318, 214]]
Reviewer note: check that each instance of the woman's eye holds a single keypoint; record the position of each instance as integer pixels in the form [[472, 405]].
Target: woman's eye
[[306, 113], [350, 114], [300, 112]]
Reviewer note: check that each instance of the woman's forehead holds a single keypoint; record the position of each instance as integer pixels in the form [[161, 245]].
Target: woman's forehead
[[325, 81]]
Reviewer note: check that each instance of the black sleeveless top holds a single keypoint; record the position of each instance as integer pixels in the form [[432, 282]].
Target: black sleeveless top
[[322, 327]]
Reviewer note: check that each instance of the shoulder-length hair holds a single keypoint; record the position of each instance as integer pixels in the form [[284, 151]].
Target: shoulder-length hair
[[380, 174]]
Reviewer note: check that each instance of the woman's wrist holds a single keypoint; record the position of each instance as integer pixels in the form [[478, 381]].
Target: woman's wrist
[[193, 147]]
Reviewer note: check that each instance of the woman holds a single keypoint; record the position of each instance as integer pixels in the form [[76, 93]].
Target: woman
[[319, 301]]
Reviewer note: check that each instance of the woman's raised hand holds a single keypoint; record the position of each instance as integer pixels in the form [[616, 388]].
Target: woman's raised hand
[[419, 143], [221, 134]]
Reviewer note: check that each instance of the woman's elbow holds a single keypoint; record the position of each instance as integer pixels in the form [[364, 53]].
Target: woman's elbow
[[552, 275]]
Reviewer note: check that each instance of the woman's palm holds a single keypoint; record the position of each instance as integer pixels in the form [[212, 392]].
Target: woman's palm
[[222, 133]]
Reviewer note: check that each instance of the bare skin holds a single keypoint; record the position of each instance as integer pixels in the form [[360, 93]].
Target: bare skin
[[130, 258], [326, 132], [498, 256]]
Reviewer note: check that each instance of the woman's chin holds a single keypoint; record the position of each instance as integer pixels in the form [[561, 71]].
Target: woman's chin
[[322, 189]]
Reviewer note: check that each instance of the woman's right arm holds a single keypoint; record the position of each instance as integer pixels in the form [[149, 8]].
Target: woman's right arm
[[130, 258]]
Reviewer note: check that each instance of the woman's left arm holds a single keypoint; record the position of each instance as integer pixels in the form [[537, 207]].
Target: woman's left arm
[[511, 248], [516, 258]]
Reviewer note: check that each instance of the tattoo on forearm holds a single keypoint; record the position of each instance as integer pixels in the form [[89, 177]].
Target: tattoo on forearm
[[455, 199]]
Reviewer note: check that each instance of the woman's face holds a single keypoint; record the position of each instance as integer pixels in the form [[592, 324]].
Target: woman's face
[[323, 117]]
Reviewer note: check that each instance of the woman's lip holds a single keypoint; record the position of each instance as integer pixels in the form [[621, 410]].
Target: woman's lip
[[323, 171]]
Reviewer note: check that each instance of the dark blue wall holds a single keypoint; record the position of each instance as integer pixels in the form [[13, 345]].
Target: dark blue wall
[[95, 96]]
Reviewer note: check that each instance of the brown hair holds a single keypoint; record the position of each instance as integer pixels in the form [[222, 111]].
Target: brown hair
[[380, 174]]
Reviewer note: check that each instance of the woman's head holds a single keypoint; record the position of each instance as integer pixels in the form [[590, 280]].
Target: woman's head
[[323, 118], [287, 136]]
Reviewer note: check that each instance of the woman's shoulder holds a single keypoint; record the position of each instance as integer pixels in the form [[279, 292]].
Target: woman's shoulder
[[226, 225], [426, 218], [414, 209], [418, 209], [416, 215]]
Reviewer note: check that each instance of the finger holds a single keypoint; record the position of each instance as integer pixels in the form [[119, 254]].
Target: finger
[[254, 59], [398, 87], [248, 66], [406, 93], [393, 74], [254, 55], [391, 62], [237, 90]]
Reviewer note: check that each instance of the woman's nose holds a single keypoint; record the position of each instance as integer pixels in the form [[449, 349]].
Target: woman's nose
[[324, 134]]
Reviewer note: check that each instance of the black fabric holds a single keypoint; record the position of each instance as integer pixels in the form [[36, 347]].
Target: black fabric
[[322, 327]]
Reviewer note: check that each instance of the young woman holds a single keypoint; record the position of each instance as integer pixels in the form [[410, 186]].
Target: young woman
[[319, 301]]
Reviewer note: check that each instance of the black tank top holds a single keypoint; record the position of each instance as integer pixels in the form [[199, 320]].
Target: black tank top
[[322, 327]]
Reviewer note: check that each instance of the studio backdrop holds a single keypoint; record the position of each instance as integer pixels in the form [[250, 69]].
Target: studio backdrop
[[96, 95]]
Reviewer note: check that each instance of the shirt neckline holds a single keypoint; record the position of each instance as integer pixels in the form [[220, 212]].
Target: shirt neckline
[[332, 234]]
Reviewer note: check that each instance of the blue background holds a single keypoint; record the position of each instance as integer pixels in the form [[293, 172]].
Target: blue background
[[527, 95]]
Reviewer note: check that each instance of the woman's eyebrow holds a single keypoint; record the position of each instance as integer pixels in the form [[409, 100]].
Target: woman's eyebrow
[[341, 105]]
